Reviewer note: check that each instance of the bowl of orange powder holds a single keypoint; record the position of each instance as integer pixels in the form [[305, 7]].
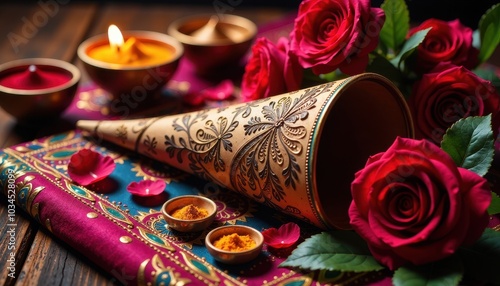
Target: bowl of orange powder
[[189, 213], [234, 244]]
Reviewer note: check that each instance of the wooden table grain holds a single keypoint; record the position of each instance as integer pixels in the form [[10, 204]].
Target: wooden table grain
[[54, 29]]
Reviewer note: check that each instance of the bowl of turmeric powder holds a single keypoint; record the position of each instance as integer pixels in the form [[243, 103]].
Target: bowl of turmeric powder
[[234, 244], [189, 213]]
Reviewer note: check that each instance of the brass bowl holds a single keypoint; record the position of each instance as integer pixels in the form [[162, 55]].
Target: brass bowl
[[234, 257], [35, 104], [189, 225], [134, 81], [215, 53]]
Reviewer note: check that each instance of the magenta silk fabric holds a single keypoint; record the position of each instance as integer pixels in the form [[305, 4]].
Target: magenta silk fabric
[[109, 236], [126, 235]]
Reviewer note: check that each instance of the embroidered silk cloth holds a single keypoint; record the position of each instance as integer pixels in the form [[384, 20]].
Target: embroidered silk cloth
[[126, 235]]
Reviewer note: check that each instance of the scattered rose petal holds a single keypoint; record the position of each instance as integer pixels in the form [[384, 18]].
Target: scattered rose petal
[[283, 237], [222, 91], [193, 99], [86, 167], [146, 188]]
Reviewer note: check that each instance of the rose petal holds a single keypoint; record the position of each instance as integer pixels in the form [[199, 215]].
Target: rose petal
[[335, 34], [412, 204], [283, 237], [478, 195], [264, 71], [447, 93], [193, 99], [146, 188], [446, 41], [87, 167], [224, 90]]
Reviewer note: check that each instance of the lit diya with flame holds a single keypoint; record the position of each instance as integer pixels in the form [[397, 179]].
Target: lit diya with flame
[[133, 64]]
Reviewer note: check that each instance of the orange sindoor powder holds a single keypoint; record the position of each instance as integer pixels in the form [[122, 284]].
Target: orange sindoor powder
[[235, 242], [190, 212]]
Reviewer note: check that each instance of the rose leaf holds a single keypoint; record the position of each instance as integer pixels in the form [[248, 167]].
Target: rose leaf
[[333, 251], [489, 32], [409, 47], [481, 260], [396, 25], [448, 271], [469, 141], [494, 207], [384, 67], [489, 75]]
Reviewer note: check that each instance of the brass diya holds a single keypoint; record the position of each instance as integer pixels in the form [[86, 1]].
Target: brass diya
[[30, 104], [297, 152], [213, 43], [132, 80]]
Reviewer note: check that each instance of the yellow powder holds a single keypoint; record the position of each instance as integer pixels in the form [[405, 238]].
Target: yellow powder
[[190, 212], [235, 242]]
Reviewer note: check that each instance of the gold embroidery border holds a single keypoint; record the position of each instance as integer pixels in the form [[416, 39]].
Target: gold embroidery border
[[167, 254]]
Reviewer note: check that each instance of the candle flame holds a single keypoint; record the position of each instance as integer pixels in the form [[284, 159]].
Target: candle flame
[[115, 37]]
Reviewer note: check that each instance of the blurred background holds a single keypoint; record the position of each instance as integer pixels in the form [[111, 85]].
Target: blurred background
[[469, 12]]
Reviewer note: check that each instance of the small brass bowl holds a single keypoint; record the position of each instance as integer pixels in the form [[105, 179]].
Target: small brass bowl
[[189, 225], [35, 104], [234, 257], [134, 81], [215, 53]]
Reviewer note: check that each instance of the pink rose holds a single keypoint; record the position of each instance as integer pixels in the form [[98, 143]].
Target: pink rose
[[412, 204], [336, 34], [445, 42], [447, 94], [271, 70]]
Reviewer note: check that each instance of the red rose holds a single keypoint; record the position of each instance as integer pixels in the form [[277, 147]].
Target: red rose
[[336, 34], [413, 205], [271, 70], [445, 42], [447, 94]]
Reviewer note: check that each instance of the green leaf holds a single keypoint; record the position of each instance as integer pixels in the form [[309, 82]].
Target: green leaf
[[448, 271], [494, 207], [381, 65], [337, 250], [332, 76], [469, 141], [396, 25], [310, 79], [489, 31], [489, 75], [482, 259], [384, 67], [409, 47], [476, 39]]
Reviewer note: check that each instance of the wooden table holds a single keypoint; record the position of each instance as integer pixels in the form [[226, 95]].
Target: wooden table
[[55, 31]]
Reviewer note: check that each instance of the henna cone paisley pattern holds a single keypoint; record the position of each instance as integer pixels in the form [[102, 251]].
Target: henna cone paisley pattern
[[263, 149], [276, 141]]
